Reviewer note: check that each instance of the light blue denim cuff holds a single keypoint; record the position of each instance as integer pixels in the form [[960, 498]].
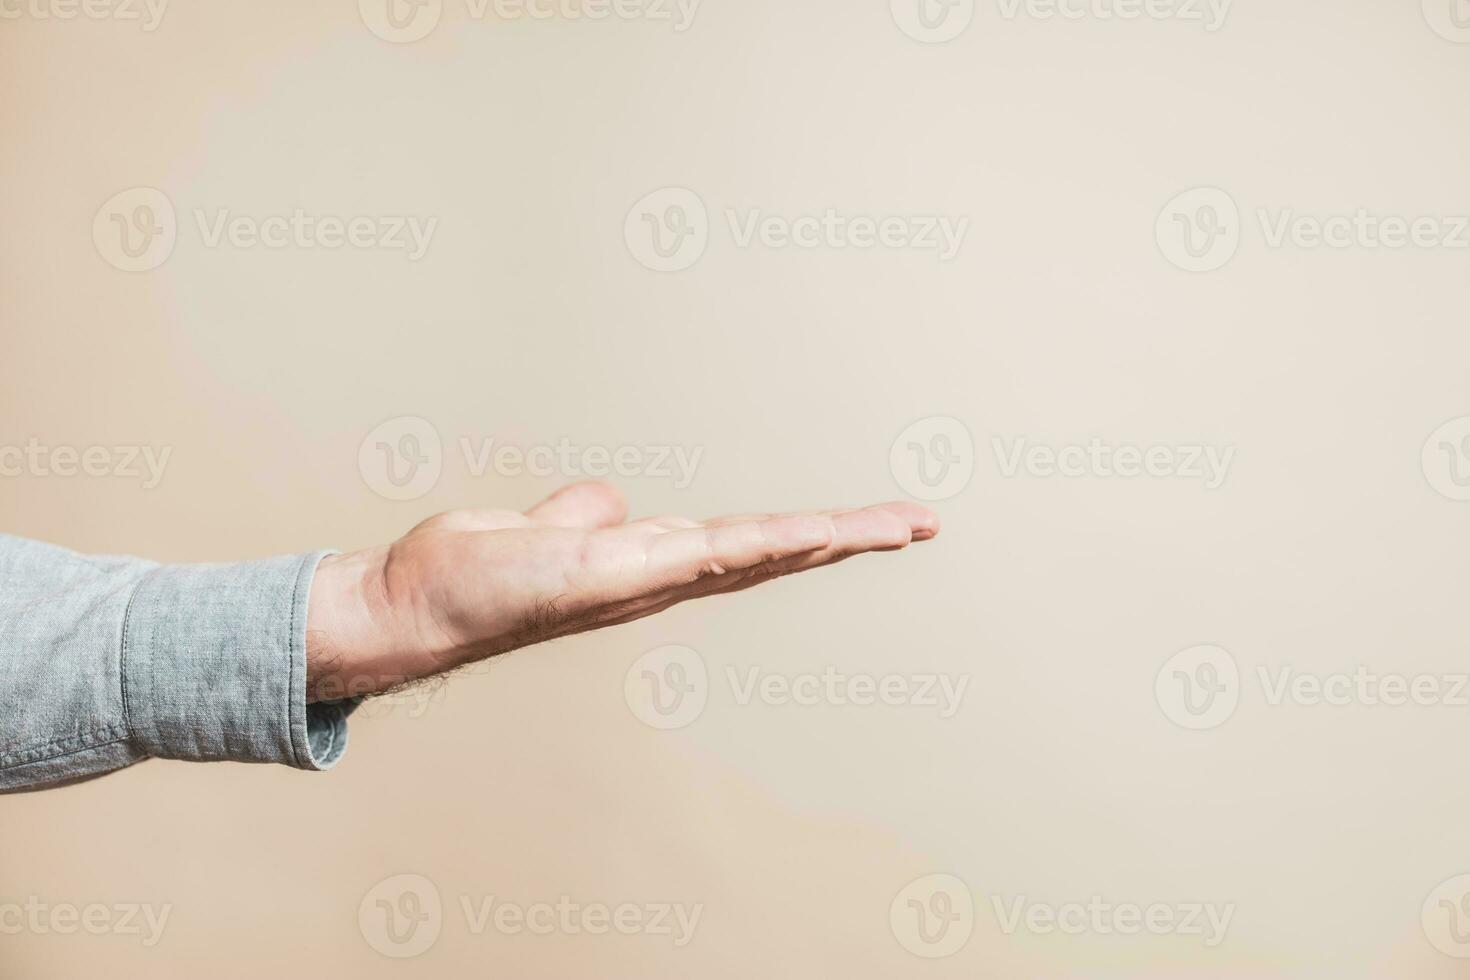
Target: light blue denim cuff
[[214, 666]]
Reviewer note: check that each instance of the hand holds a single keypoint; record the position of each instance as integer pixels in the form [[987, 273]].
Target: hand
[[471, 584]]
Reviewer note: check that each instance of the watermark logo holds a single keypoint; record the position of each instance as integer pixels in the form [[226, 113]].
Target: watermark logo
[[1199, 230], [933, 916], [1199, 688], [933, 21], [1450, 19], [136, 229], [402, 916], [401, 21], [1446, 917], [667, 688], [402, 459], [667, 230], [933, 459], [1446, 459]]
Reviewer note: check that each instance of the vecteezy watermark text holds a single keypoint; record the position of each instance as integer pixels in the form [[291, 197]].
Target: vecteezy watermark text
[[382, 696], [840, 689], [1209, 465], [568, 917], [1201, 230], [677, 464], [669, 687], [38, 917], [940, 21], [934, 459], [402, 916], [145, 464], [147, 13], [934, 917], [136, 230], [834, 230], [300, 229], [1211, 14], [1200, 688], [669, 230], [406, 21], [404, 457], [1207, 921]]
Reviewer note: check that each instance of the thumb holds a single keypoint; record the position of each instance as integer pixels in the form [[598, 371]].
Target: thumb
[[581, 505]]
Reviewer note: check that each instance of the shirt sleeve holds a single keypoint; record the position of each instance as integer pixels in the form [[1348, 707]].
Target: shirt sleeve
[[105, 662]]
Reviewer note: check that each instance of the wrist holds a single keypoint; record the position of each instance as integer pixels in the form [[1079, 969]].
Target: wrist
[[345, 627]]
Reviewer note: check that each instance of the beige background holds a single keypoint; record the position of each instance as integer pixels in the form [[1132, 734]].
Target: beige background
[[794, 370]]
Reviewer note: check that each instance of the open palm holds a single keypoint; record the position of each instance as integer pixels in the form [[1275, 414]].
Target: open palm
[[469, 584]]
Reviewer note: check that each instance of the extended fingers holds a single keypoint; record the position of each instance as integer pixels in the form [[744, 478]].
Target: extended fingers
[[651, 563], [922, 522], [854, 532], [666, 561], [783, 543], [689, 554], [857, 532]]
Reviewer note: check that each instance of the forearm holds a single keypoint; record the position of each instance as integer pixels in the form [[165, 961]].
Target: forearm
[[105, 662]]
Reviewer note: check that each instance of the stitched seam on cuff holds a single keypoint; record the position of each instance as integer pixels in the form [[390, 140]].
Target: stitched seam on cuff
[[122, 655], [9, 772], [133, 720], [62, 747], [296, 705]]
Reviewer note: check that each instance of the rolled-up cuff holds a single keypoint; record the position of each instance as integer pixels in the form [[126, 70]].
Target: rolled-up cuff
[[214, 666]]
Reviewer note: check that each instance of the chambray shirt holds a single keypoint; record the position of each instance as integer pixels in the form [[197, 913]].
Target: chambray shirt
[[105, 662]]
